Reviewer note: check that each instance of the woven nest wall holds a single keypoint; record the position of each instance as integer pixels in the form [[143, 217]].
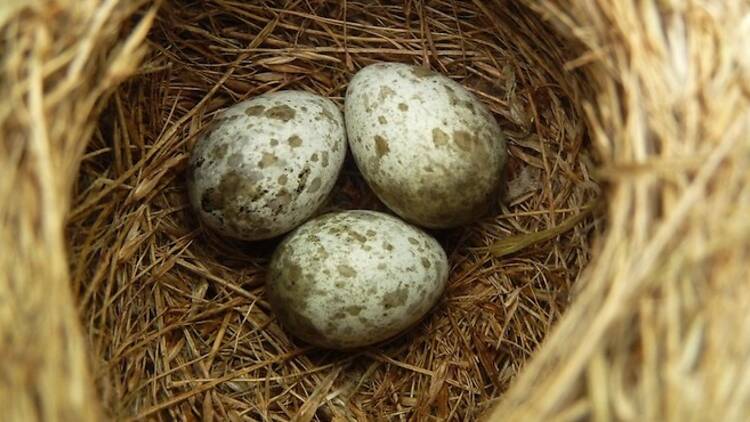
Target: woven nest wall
[[611, 283]]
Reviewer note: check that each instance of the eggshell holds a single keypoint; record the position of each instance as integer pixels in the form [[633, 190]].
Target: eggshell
[[267, 164], [354, 278], [428, 148]]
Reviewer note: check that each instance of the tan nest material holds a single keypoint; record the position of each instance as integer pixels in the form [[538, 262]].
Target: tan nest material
[[612, 283]]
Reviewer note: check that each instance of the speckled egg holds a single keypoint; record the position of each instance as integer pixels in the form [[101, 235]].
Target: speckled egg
[[267, 164], [354, 278], [428, 148]]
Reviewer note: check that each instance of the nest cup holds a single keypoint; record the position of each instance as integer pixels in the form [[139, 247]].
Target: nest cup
[[153, 317], [203, 297]]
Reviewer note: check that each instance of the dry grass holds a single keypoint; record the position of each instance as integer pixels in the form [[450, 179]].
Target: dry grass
[[175, 317], [58, 64], [660, 328], [178, 316]]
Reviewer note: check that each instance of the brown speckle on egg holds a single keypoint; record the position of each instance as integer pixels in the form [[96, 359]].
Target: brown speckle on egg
[[280, 112], [255, 110], [294, 141], [422, 72], [346, 271], [326, 114], [356, 236], [463, 140], [353, 310], [219, 152], [395, 298], [314, 185], [439, 138], [267, 160], [381, 145], [385, 92]]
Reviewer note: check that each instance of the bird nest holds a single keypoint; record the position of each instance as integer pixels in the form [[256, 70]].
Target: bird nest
[[602, 287]]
